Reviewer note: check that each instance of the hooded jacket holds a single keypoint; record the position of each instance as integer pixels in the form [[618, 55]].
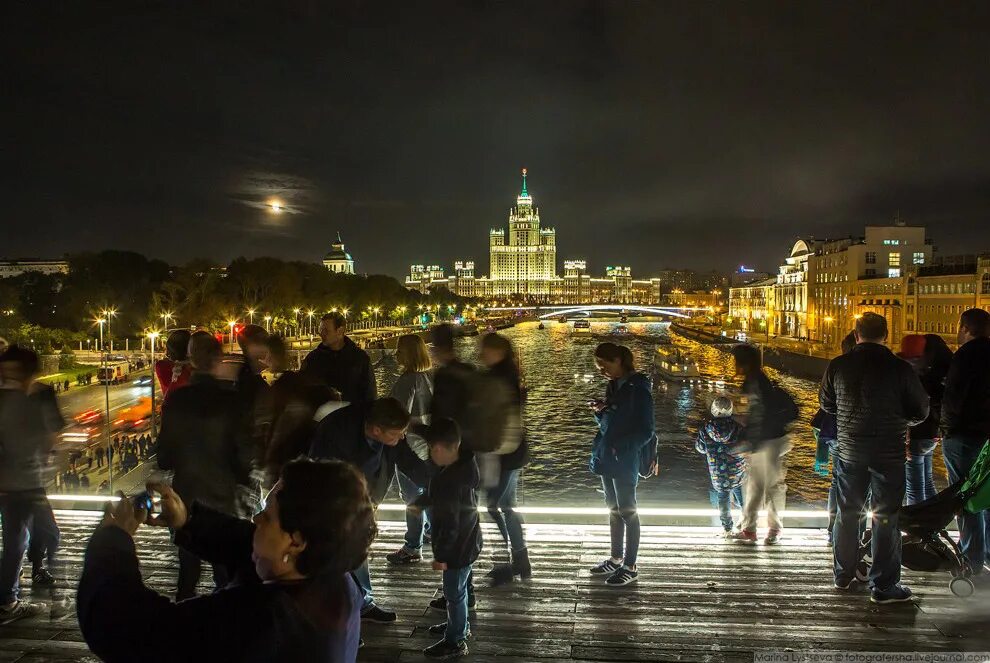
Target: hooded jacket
[[347, 370], [453, 502], [625, 425], [718, 439]]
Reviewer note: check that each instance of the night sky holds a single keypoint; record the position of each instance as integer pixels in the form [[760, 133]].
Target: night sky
[[656, 134]]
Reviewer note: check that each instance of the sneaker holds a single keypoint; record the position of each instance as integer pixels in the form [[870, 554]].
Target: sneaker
[[842, 584], [895, 594], [403, 556], [61, 607], [773, 538], [21, 610], [441, 629], [440, 604], [444, 650], [727, 534], [374, 613], [744, 536], [606, 568], [623, 576], [43, 578]]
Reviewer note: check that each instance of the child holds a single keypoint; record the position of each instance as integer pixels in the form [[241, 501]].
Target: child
[[718, 439], [455, 529]]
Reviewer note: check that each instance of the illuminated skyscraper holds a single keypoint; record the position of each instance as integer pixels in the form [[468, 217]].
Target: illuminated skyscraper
[[527, 264]]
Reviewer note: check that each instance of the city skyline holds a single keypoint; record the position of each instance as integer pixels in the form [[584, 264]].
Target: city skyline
[[664, 135]]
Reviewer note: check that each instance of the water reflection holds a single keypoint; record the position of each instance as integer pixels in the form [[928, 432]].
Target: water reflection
[[561, 376]]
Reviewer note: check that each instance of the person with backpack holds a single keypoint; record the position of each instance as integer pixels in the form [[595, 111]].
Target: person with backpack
[[875, 397], [626, 427], [769, 410], [719, 439]]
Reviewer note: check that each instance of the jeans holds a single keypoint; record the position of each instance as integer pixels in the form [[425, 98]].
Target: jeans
[[852, 482], [960, 453], [623, 520], [16, 515], [190, 570], [723, 499], [765, 484], [362, 577], [918, 470], [501, 504], [416, 519], [45, 535], [455, 589]]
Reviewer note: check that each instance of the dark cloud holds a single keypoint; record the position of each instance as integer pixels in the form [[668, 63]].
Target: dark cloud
[[655, 133]]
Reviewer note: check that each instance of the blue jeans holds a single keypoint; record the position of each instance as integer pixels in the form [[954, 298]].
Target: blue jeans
[[623, 520], [363, 579], [455, 589], [416, 519], [918, 470], [960, 453], [16, 514], [853, 481], [723, 499], [501, 507]]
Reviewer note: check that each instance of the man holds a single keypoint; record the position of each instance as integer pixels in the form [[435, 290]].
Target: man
[[450, 393], [372, 438], [25, 441], [875, 397], [202, 440], [966, 424], [340, 364]]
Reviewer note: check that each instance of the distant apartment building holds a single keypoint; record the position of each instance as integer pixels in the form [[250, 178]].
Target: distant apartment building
[[11, 268]]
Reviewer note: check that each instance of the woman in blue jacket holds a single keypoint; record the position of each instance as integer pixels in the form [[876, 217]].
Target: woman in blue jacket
[[625, 430]]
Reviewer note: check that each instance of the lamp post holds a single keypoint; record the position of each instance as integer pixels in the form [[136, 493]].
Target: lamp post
[[251, 315], [295, 320], [232, 324], [268, 320], [166, 316], [109, 313], [100, 322], [153, 335], [310, 313]]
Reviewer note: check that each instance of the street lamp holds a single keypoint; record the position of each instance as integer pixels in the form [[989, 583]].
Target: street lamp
[[251, 315], [310, 313], [166, 316], [109, 313], [100, 322], [268, 320], [153, 335], [232, 324], [296, 319]]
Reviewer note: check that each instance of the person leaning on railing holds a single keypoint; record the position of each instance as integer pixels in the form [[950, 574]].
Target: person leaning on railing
[[291, 597]]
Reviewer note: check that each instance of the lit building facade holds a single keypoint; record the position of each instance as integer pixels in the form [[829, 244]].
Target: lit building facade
[[791, 291], [11, 268], [751, 305], [524, 262], [339, 261]]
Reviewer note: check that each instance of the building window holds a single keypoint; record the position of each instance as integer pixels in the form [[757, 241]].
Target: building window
[[894, 273], [919, 258], [871, 257], [893, 259], [870, 271], [985, 287]]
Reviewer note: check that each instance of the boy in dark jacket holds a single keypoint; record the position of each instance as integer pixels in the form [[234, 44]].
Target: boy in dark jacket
[[456, 531], [719, 438]]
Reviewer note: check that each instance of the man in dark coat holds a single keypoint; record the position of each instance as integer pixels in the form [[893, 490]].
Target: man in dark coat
[[340, 364], [372, 438], [202, 440], [875, 397], [966, 424]]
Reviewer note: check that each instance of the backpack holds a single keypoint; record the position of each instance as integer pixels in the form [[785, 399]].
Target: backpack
[[781, 410]]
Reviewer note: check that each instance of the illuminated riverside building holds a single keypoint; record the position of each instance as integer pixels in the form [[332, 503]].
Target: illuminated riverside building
[[524, 269], [339, 261]]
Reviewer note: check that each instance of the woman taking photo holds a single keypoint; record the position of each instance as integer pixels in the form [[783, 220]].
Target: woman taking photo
[[626, 426], [499, 357], [414, 390], [291, 598]]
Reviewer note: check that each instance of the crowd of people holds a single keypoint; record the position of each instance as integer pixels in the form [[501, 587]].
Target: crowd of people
[[275, 486]]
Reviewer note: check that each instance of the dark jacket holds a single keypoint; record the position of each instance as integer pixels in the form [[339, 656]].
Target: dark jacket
[[508, 372], [966, 400], [933, 380], [625, 425], [203, 441], [123, 620], [341, 435], [347, 370], [450, 392], [294, 401], [719, 439], [875, 397], [453, 502]]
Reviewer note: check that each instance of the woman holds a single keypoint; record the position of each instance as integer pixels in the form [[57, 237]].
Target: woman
[[414, 389], [499, 357], [626, 425], [174, 370], [292, 598], [930, 357]]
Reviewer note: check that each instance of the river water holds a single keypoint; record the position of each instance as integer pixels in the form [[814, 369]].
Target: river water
[[561, 376]]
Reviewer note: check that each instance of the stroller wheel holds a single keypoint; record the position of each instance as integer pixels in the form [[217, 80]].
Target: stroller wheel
[[962, 587], [863, 572]]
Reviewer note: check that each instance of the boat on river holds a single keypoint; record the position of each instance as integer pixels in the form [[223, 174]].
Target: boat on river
[[581, 328], [672, 364]]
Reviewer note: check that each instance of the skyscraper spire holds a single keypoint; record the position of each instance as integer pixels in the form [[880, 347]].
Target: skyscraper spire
[[524, 191]]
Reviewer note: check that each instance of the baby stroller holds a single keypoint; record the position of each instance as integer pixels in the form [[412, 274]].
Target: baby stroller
[[925, 545]]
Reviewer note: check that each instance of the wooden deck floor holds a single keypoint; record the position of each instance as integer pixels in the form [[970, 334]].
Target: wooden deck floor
[[697, 598]]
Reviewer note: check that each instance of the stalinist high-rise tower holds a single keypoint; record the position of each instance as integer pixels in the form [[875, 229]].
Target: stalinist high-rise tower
[[527, 263]]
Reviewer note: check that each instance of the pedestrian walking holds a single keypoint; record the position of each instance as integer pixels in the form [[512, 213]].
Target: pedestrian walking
[[875, 397], [414, 390], [452, 499], [966, 424], [340, 364], [626, 426], [769, 410], [719, 440]]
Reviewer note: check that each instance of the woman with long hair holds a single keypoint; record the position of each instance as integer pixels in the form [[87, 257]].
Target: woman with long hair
[[174, 370], [626, 425], [502, 363], [414, 390], [291, 598]]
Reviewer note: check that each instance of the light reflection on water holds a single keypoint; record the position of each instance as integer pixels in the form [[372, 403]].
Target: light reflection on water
[[561, 376]]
